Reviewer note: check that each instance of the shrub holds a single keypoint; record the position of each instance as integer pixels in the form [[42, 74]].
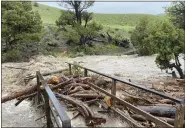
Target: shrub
[[13, 55], [35, 4]]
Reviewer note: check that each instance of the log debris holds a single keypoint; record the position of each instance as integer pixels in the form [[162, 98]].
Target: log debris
[[25, 91], [29, 90], [90, 119], [162, 111]]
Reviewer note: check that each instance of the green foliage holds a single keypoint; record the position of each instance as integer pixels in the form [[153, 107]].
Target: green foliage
[[12, 55], [19, 24], [161, 37], [76, 70], [80, 35], [169, 41], [119, 20], [78, 7], [140, 40], [123, 21], [35, 4], [176, 12], [48, 14], [86, 17], [98, 49], [66, 18]]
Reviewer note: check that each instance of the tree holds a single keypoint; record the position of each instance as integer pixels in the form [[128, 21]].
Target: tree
[[78, 7], [139, 38], [169, 42], [177, 13], [66, 18], [35, 4], [19, 24], [76, 33], [86, 17], [81, 36]]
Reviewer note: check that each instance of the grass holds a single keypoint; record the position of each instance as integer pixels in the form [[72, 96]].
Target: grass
[[48, 14], [122, 21], [119, 27]]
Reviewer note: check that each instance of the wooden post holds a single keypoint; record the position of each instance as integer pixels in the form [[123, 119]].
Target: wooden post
[[47, 110], [70, 72], [85, 72], [38, 89], [113, 91], [179, 116]]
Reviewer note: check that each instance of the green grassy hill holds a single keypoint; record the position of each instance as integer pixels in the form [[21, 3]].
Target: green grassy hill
[[48, 14], [123, 19], [127, 21]]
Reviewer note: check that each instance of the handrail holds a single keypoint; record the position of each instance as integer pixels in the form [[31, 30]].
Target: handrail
[[134, 108], [133, 84], [66, 122]]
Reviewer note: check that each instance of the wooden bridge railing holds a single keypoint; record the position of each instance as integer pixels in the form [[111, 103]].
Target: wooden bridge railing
[[179, 117]]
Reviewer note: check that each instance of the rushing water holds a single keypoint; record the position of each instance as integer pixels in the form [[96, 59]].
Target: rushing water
[[126, 67], [23, 115]]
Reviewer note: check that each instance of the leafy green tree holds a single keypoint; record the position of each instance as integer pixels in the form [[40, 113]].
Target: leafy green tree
[[86, 17], [169, 41], [76, 33], [19, 25], [66, 18], [177, 13], [81, 36], [78, 7], [35, 4], [139, 38]]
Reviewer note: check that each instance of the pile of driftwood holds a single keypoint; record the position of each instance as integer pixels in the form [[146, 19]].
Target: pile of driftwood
[[73, 91], [157, 106], [78, 95]]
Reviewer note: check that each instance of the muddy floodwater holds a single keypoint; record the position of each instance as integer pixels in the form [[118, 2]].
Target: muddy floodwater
[[24, 115], [127, 67]]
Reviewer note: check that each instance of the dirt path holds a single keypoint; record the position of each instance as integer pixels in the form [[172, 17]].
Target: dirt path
[[138, 69]]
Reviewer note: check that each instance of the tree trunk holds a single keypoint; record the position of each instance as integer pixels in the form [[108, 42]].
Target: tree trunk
[[85, 24], [109, 38], [88, 96], [178, 68], [177, 65], [12, 96], [162, 111], [180, 72], [29, 90], [170, 120], [84, 110]]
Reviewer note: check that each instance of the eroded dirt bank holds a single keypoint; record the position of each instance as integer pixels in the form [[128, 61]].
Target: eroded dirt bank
[[137, 69]]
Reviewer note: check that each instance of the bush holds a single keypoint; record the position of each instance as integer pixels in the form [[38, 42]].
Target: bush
[[140, 40], [36, 4], [116, 29], [99, 49], [13, 55]]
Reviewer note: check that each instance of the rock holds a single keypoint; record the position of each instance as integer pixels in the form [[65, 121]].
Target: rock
[[100, 82], [158, 87], [161, 83]]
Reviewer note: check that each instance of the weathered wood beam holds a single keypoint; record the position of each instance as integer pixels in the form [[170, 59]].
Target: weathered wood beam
[[135, 109]]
